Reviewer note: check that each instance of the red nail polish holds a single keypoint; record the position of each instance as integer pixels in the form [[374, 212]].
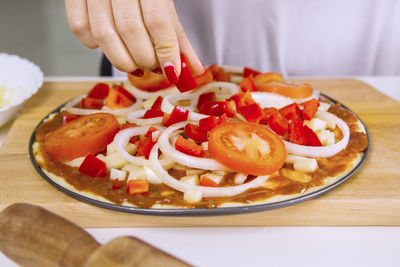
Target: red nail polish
[[157, 70], [170, 72], [138, 72]]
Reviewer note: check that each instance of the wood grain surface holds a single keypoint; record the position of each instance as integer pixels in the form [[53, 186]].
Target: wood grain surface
[[371, 197]]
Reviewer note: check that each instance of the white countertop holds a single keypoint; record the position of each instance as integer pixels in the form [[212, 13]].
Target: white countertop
[[269, 246]]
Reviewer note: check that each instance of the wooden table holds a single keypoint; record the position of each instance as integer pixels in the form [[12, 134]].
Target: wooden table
[[371, 197]]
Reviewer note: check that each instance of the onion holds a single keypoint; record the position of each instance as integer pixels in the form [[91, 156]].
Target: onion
[[136, 117], [69, 107], [233, 69], [322, 151], [266, 99], [121, 140], [147, 95], [206, 191], [182, 158]]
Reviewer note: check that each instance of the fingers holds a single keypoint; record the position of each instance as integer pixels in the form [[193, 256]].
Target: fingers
[[104, 32], [78, 19], [156, 17], [131, 28]]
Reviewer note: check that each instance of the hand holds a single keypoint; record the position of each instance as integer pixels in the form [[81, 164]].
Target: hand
[[134, 34]]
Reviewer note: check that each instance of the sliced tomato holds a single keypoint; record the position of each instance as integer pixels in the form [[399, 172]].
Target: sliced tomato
[[310, 108], [219, 73], [84, 135], [247, 147], [249, 71], [188, 147], [292, 90], [137, 187], [69, 117], [204, 78], [116, 99], [268, 77], [193, 132], [92, 103], [147, 80], [99, 91]]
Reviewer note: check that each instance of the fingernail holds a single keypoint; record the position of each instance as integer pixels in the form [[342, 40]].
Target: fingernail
[[157, 70], [138, 72], [171, 73]]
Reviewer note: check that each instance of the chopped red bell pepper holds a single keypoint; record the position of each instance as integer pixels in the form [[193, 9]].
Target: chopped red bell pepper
[[230, 110], [93, 167], [92, 103], [267, 113], [210, 96], [223, 119], [310, 108], [208, 123], [205, 181], [236, 98], [297, 134], [278, 123], [246, 100], [150, 131], [249, 71], [188, 147], [312, 138], [178, 114], [186, 80], [204, 78], [247, 84], [157, 104], [126, 93], [193, 132], [153, 114], [99, 91], [137, 187], [116, 185], [252, 112], [69, 117], [214, 108], [219, 73], [290, 111], [116, 99], [145, 146]]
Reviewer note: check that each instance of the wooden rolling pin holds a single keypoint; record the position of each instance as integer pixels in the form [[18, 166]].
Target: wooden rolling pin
[[33, 236]]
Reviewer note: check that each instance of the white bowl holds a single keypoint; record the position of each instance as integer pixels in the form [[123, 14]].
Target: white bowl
[[22, 78]]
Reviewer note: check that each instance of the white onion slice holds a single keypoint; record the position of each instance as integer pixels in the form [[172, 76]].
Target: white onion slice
[[206, 191], [121, 139], [147, 95], [322, 151], [69, 107], [182, 158], [233, 69], [266, 99], [136, 117]]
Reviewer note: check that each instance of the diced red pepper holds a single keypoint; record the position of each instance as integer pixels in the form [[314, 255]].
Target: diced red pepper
[[93, 167], [236, 98], [230, 110], [116, 99], [310, 108], [223, 119], [290, 111], [249, 71], [92, 103], [205, 181], [69, 117], [204, 78], [297, 134], [137, 187], [145, 146], [188, 147], [312, 138], [150, 131], [153, 114], [99, 91], [267, 113], [178, 114], [252, 112], [206, 97], [116, 185], [157, 104], [247, 84], [214, 108], [219, 73], [126, 93], [278, 123], [208, 123], [246, 100], [186, 80], [193, 132]]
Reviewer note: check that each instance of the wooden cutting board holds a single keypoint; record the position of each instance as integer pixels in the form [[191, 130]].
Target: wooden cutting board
[[371, 197]]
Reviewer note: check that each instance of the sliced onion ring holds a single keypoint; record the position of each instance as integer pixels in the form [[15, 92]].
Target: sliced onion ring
[[266, 99], [69, 107], [206, 191], [136, 117], [147, 95], [182, 158], [322, 151], [121, 140]]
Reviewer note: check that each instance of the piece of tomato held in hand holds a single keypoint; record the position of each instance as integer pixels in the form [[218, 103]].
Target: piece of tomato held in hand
[[148, 80], [247, 147], [84, 135]]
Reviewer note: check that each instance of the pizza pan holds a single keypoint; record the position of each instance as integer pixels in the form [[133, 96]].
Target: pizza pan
[[199, 211]]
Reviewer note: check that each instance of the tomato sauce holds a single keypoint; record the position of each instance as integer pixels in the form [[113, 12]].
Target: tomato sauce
[[162, 194]]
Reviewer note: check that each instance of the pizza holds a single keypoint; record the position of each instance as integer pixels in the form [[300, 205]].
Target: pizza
[[222, 139]]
